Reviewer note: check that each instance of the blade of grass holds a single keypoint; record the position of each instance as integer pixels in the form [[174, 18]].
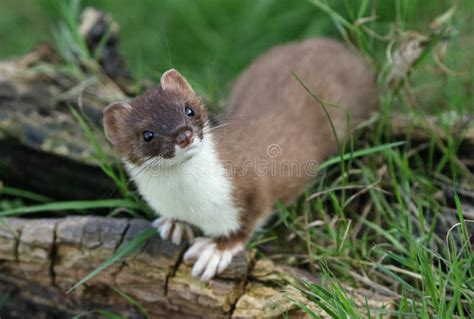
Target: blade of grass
[[72, 205], [323, 104], [333, 14], [360, 153], [11, 191], [102, 158], [124, 250], [462, 221], [385, 234], [131, 301], [103, 314]]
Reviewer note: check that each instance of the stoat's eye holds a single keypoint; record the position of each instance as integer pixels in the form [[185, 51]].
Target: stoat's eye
[[188, 111], [148, 136]]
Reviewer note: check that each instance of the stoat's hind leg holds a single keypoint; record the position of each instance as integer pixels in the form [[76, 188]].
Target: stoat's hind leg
[[174, 230], [210, 257]]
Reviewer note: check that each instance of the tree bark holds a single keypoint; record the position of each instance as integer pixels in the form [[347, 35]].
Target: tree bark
[[41, 258], [42, 145]]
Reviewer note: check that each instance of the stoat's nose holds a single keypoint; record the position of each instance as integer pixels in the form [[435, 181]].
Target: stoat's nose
[[184, 138]]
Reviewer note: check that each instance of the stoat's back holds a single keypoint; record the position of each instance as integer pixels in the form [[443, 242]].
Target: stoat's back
[[270, 108]]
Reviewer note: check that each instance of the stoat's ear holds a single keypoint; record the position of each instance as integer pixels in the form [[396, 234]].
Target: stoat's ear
[[172, 80], [115, 116]]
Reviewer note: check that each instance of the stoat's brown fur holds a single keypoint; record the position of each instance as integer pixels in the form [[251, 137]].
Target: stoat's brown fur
[[269, 107]]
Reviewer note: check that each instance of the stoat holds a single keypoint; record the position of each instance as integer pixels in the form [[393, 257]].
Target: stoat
[[225, 179]]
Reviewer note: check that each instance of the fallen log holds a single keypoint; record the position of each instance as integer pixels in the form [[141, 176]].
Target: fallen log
[[40, 259], [42, 144]]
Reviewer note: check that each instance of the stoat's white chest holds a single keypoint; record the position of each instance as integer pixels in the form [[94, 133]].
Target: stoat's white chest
[[196, 191]]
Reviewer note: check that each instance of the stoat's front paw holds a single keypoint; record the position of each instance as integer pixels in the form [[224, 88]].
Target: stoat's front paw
[[173, 229], [210, 259]]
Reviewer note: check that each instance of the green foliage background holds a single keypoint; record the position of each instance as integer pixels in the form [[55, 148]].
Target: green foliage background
[[211, 41]]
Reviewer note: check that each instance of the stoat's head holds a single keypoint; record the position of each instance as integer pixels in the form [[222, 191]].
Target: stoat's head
[[164, 126]]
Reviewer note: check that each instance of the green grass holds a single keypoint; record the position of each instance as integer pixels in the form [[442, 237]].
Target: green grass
[[378, 218]]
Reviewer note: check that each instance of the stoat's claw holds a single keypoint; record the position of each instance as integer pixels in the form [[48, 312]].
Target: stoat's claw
[[210, 260], [195, 250], [172, 229], [165, 229], [177, 234], [158, 222]]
